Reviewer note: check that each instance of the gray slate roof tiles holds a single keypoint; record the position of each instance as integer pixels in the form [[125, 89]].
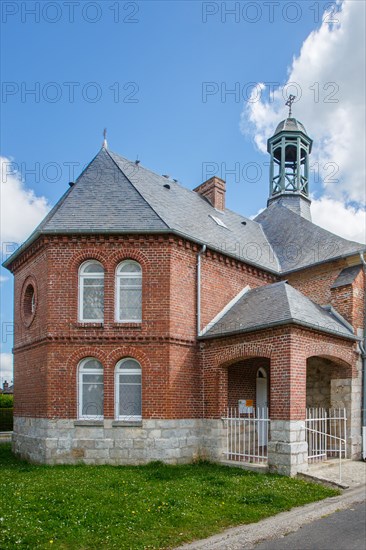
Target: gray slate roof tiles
[[114, 195], [274, 305], [347, 276], [102, 199], [299, 243]]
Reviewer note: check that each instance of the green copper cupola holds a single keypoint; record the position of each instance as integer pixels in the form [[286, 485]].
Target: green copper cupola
[[290, 147]]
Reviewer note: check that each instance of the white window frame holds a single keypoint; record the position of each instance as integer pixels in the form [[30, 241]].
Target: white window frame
[[218, 221], [81, 276], [81, 371], [119, 372], [119, 278]]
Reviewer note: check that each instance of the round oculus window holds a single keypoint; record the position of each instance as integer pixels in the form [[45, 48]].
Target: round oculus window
[[29, 303]]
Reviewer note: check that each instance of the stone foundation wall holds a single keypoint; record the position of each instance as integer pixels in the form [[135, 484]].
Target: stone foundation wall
[[348, 393], [287, 448], [107, 442]]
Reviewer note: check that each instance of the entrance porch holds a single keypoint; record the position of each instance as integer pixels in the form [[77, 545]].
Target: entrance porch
[[263, 385]]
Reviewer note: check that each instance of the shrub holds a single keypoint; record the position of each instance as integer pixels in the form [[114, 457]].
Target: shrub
[[6, 401]]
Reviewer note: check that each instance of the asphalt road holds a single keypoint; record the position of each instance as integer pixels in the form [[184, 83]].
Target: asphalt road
[[343, 530]]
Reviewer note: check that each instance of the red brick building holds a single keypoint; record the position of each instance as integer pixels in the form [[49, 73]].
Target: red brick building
[[143, 310]]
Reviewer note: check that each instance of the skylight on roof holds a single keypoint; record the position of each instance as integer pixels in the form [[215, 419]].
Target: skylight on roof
[[218, 221]]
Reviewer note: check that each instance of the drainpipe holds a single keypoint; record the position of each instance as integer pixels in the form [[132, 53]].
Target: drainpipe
[[363, 355], [202, 251]]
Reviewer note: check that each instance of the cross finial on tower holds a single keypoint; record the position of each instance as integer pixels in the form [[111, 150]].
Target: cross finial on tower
[[289, 102], [105, 144]]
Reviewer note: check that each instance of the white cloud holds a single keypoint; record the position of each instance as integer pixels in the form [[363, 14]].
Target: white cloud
[[346, 221], [330, 73], [6, 367], [21, 210]]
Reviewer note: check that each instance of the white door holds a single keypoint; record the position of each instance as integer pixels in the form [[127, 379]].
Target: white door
[[262, 404]]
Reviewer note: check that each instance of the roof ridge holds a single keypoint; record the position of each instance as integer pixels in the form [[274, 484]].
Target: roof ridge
[[37, 231], [68, 192], [141, 195]]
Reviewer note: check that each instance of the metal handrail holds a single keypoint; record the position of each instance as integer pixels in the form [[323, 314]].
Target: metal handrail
[[340, 450]]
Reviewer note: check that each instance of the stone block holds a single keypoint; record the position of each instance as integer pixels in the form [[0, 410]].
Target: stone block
[[51, 443], [97, 453], [104, 444], [139, 444], [154, 433], [119, 454], [123, 444], [88, 432]]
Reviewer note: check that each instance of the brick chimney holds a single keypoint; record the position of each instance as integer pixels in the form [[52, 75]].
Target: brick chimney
[[214, 190], [5, 385]]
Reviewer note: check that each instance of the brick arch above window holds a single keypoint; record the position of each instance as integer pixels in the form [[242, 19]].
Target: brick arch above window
[[83, 353], [124, 254], [131, 352], [82, 256]]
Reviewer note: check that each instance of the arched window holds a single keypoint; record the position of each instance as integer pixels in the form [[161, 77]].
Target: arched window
[[129, 292], [128, 390], [91, 292], [90, 389]]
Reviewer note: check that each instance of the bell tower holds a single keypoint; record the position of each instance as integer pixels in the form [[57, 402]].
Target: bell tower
[[290, 147]]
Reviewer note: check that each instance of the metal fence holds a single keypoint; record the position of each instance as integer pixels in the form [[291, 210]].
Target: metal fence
[[247, 435], [326, 433]]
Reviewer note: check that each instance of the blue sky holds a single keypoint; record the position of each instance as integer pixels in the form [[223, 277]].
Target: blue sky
[[142, 70]]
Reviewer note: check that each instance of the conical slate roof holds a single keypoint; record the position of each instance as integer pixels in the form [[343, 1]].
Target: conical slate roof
[[114, 195], [274, 305]]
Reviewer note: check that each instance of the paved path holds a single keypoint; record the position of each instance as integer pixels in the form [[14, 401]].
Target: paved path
[[353, 472], [344, 530]]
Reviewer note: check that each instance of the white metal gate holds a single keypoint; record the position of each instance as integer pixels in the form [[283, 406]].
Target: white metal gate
[[247, 435], [325, 433]]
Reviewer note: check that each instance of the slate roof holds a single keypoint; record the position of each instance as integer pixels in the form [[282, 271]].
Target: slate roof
[[114, 195], [299, 243], [101, 200], [347, 276], [274, 305], [290, 125]]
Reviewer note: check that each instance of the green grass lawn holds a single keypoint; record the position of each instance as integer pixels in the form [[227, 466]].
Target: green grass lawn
[[135, 507]]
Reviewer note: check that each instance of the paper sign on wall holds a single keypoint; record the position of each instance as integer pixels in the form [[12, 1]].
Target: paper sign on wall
[[245, 406]]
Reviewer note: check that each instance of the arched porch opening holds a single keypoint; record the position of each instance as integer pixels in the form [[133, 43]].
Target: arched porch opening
[[248, 384], [331, 397], [328, 382]]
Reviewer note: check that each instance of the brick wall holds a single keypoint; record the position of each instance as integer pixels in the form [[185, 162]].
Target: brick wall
[[181, 378], [288, 349], [315, 282]]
